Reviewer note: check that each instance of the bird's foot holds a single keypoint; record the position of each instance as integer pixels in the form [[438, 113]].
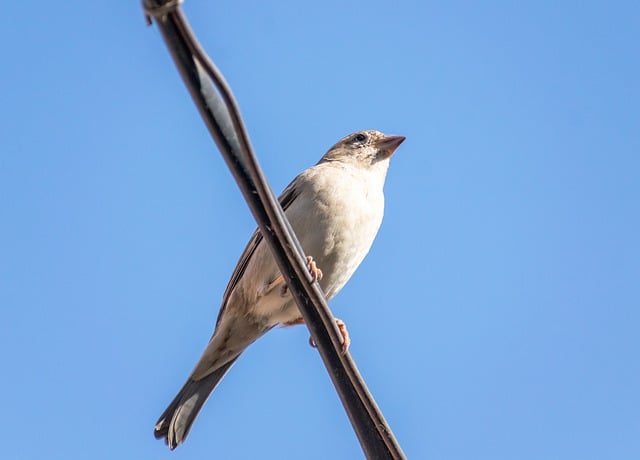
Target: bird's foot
[[314, 271], [342, 328]]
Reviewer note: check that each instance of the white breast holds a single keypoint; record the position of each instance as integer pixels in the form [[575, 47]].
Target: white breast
[[337, 217]]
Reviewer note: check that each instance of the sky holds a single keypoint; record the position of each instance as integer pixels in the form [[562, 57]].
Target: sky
[[497, 313]]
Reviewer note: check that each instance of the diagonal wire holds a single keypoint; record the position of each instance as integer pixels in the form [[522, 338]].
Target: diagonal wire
[[220, 112]]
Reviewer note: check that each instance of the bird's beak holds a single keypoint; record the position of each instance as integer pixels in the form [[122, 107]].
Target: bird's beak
[[389, 144]]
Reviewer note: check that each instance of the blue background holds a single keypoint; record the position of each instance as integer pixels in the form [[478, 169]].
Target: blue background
[[496, 316]]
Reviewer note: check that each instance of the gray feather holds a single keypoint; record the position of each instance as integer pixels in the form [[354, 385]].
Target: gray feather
[[174, 424]]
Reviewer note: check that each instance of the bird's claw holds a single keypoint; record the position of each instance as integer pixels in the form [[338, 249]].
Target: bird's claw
[[314, 271], [346, 340]]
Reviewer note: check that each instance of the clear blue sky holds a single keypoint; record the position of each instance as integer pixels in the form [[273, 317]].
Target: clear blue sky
[[497, 314]]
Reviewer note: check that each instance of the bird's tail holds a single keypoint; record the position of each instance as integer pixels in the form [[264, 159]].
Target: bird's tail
[[175, 422]]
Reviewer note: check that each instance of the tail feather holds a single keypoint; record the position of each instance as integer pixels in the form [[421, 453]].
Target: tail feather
[[175, 422]]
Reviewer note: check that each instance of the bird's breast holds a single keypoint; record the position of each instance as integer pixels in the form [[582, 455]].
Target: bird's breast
[[336, 223]]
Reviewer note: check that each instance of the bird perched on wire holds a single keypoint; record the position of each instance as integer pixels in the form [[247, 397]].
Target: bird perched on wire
[[335, 209]]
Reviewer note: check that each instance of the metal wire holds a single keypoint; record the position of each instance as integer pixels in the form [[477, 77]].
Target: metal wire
[[220, 112]]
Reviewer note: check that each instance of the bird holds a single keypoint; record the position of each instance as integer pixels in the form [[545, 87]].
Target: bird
[[335, 209]]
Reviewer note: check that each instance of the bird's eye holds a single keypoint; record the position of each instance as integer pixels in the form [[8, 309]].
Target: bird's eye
[[359, 138]]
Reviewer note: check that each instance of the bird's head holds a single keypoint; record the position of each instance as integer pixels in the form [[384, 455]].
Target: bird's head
[[363, 148]]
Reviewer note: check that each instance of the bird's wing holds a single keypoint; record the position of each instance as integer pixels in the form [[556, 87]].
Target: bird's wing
[[286, 198]]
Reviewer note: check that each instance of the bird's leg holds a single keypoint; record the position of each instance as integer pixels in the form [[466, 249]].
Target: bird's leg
[[279, 281], [314, 271], [342, 327]]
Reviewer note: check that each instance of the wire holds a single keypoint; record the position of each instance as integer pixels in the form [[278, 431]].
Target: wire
[[219, 110]]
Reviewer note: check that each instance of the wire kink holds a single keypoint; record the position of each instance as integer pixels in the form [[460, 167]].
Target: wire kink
[[219, 110], [153, 9]]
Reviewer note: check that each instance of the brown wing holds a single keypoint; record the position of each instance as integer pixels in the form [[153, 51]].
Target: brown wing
[[285, 199]]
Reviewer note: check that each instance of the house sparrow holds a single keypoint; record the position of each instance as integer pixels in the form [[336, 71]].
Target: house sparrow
[[335, 209]]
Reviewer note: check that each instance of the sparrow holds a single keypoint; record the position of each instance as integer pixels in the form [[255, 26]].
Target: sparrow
[[335, 209]]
